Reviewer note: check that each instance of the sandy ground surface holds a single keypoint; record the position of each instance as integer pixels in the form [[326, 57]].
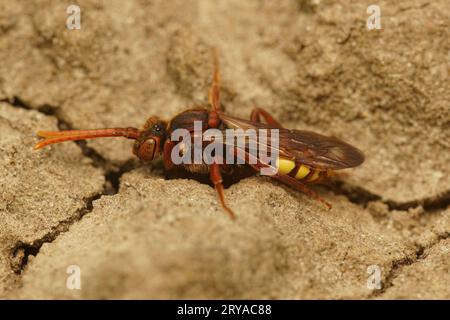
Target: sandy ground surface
[[311, 63]]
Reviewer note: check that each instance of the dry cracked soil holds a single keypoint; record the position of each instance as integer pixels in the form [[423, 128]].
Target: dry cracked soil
[[312, 63]]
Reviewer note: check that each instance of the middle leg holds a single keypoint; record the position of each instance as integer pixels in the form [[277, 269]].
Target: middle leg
[[216, 178], [214, 93]]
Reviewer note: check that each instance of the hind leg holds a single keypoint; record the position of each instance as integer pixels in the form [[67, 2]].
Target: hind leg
[[297, 185], [257, 113]]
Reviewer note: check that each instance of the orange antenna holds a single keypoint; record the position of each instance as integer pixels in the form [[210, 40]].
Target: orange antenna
[[51, 137]]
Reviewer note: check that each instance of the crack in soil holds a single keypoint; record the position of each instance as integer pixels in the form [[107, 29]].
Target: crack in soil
[[21, 252], [398, 265], [362, 197]]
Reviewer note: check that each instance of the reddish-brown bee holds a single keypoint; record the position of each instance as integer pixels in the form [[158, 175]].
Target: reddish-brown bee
[[303, 157]]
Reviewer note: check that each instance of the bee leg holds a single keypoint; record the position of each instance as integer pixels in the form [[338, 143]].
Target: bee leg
[[257, 112], [216, 179], [294, 183], [214, 91]]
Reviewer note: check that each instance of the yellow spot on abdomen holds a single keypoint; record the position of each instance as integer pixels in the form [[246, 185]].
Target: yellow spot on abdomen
[[285, 166], [302, 172]]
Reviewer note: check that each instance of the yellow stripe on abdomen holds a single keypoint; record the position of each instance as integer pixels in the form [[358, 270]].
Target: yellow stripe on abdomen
[[299, 172], [285, 166], [302, 172]]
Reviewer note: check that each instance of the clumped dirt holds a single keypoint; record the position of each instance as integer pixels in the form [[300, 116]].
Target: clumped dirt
[[313, 64]]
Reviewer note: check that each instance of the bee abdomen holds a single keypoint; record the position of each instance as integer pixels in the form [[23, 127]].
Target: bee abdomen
[[300, 171]]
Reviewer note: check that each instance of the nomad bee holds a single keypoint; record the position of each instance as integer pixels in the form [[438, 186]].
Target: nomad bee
[[303, 157]]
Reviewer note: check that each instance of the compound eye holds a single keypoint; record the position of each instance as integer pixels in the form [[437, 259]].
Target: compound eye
[[145, 150]]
